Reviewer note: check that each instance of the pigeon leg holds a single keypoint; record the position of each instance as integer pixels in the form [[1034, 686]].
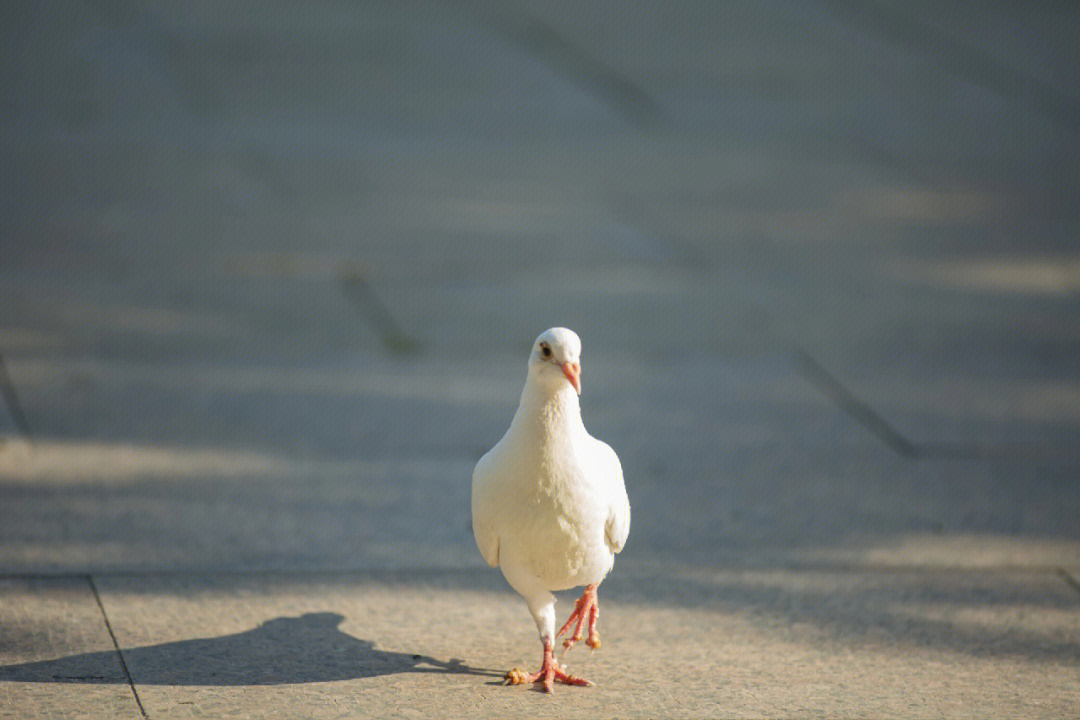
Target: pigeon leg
[[587, 607], [549, 673]]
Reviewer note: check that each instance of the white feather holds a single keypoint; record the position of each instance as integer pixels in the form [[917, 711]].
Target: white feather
[[549, 503]]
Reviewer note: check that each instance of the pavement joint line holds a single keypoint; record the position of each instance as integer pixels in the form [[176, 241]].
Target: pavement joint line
[[1069, 579], [850, 403], [358, 289], [967, 62], [11, 400], [116, 645], [545, 42]]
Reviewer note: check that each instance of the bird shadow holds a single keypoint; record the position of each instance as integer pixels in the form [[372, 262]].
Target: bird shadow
[[285, 650]]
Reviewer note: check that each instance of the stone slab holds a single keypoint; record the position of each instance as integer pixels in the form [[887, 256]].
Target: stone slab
[[683, 642], [43, 623]]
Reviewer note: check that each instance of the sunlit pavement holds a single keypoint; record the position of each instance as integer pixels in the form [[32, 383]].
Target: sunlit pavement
[[269, 276]]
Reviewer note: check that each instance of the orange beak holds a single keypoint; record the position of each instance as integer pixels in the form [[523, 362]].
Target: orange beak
[[572, 371]]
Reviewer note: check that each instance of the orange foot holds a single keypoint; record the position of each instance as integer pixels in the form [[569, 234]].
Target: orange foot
[[549, 673], [588, 605]]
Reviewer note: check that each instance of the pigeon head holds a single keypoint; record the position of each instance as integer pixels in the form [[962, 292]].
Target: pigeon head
[[556, 359]]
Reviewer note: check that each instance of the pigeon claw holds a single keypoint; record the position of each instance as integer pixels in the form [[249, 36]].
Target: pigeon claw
[[564, 677], [587, 607], [548, 674], [518, 677]]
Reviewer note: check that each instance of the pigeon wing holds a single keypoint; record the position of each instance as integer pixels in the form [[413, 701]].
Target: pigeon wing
[[617, 525], [484, 489]]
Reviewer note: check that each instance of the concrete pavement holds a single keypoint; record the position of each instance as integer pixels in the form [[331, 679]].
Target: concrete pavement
[[269, 277], [421, 644]]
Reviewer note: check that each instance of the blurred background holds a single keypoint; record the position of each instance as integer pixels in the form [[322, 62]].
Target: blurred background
[[269, 273]]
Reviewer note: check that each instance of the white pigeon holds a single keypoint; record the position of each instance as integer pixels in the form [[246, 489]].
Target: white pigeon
[[549, 506]]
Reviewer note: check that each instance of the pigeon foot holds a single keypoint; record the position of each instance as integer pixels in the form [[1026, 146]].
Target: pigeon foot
[[548, 674], [586, 607]]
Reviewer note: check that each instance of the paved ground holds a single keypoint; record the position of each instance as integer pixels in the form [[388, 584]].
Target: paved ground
[[269, 277]]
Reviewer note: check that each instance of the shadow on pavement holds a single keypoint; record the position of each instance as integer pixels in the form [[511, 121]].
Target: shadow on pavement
[[282, 651]]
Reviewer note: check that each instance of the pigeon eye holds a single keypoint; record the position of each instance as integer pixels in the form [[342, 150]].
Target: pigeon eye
[[545, 351]]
